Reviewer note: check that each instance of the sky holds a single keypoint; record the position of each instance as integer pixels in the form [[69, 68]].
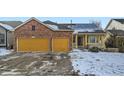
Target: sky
[[103, 20]]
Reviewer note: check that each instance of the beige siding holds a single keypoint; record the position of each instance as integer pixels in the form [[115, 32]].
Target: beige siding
[[99, 41], [116, 25]]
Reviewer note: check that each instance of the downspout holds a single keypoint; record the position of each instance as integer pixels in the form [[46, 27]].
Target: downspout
[[6, 40]]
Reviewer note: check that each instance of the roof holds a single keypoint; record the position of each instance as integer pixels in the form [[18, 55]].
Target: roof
[[56, 25], [49, 22], [95, 31], [50, 25], [83, 27], [117, 32], [77, 27], [12, 23], [7, 27], [120, 20], [33, 18]]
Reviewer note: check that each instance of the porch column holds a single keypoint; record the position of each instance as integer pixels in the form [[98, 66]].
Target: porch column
[[76, 40], [86, 40]]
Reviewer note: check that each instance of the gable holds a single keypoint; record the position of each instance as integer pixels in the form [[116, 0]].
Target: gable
[[113, 24], [25, 30], [32, 21]]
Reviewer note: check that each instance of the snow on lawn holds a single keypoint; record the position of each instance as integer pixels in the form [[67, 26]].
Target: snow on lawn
[[100, 64], [3, 51]]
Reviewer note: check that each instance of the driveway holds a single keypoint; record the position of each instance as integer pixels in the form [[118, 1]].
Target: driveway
[[37, 64]]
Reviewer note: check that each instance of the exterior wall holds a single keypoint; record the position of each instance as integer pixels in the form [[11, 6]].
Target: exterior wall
[[107, 36], [10, 39], [115, 24], [3, 31], [120, 41], [99, 40], [25, 31]]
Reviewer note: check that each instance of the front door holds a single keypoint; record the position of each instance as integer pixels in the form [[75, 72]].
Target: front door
[[80, 41]]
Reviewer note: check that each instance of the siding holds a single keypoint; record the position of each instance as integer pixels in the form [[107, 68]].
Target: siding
[[115, 24]]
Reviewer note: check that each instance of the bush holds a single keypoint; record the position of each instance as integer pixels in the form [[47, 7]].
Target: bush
[[94, 49], [111, 50], [121, 49]]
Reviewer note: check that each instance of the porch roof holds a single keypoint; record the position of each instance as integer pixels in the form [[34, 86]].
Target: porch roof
[[117, 32]]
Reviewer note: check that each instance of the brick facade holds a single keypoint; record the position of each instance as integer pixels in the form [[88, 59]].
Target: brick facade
[[42, 31]]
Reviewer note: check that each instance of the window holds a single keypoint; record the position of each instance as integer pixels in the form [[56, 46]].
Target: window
[[92, 39], [2, 38], [33, 28]]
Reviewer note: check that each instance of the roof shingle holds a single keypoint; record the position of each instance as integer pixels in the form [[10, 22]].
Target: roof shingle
[[12, 23], [78, 27]]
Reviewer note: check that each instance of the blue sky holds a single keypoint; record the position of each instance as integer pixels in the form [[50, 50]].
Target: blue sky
[[104, 20]]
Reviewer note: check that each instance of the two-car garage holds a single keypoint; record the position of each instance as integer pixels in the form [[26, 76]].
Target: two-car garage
[[35, 36], [42, 44]]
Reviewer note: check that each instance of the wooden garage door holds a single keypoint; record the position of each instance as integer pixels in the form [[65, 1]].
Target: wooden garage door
[[33, 44], [60, 45]]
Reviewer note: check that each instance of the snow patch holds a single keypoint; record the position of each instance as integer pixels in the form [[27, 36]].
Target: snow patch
[[4, 51], [46, 63], [101, 64], [31, 64], [54, 27], [10, 58], [11, 73], [8, 27]]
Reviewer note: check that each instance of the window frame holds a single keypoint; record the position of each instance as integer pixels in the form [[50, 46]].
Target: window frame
[[33, 27], [92, 39]]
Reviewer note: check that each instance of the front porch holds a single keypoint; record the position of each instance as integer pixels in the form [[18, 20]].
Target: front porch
[[86, 40]]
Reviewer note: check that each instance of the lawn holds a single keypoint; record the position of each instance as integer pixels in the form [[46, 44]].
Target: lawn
[[98, 64]]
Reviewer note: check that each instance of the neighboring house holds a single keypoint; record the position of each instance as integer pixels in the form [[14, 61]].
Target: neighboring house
[[85, 35], [34, 35], [6, 34], [115, 33], [115, 39], [115, 24]]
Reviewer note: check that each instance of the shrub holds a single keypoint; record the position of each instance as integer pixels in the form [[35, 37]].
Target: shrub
[[94, 49], [111, 50], [120, 44], [121, 49]]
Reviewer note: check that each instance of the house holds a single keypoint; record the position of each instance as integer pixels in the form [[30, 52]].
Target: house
[[36, 36], [6, 34], [117, 24], [115, 34], [85, 34]]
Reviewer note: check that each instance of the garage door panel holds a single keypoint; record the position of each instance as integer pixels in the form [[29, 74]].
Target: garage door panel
[[33, 44], [60, 45]]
